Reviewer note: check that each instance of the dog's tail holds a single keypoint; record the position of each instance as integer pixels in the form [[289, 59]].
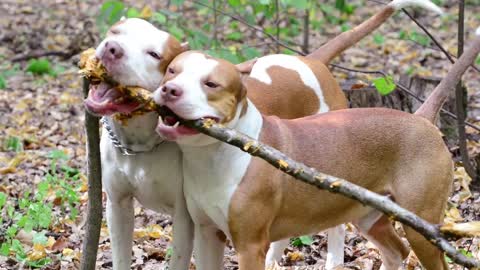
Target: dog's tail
[[434, 102], [347, 39]]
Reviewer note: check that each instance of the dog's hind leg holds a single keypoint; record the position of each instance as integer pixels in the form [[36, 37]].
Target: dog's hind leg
[[275, 252], [336, 246], [380, 231]]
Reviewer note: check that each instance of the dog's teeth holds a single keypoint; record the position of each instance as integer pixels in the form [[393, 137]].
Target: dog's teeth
[[160, 120], [176, 124]]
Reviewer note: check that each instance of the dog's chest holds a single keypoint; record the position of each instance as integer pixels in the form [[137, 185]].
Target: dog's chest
[[151, 177], [210, 183]]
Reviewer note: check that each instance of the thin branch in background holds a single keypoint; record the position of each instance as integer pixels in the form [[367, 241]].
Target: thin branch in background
[[459, 100], [215, 24], [95, 206], [306, 32], [244, 22], [277, 24]]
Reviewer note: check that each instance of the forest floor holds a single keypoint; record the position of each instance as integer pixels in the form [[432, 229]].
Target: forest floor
[[42, 138]]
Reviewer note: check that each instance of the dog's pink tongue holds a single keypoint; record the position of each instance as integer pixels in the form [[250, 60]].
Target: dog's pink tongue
[[103, 92]]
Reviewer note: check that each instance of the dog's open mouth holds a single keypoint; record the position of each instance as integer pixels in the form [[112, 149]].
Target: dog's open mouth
[[106, 100], [171, 126]]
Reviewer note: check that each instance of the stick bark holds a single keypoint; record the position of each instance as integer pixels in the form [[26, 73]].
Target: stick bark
[[333, 184], [95, 207]]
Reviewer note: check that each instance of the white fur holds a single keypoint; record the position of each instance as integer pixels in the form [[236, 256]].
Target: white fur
[[260, 68], [478, 32], [210, 182], [137, 67], [426, 4]]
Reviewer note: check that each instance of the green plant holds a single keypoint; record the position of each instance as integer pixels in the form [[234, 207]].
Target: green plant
[[304, 240], [384, 85], [33, 210], [41, 67], [13, 143]]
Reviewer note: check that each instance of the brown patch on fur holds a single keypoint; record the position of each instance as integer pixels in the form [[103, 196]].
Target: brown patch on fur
[[171, 49], [230, 92], [221, 236], [288, 97]]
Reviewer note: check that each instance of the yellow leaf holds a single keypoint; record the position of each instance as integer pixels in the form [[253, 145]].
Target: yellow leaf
[[68, 252], [295, 256], [454, 215], [282, 164], [38, 252], [146, 12]]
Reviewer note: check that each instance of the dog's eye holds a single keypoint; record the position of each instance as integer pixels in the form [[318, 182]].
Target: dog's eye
[[155, 55], [171, 70], [211, 84]]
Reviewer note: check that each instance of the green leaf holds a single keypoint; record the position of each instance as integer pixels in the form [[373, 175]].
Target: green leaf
[[264, 2], [477, 62], [14, 144], [111, 12], [379, 39], [306, 240], [159, 18], [40, 238], [133, 13], [235, 36], [234, 3], [178, 2], [384, 85], [176, 32], [39, 66], [3, 82], [3, 200], [300, 4], [5, 249], [57, 154]]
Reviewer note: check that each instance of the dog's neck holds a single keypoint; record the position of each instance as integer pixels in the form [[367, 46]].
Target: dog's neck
[[218, 168], [136, 133]]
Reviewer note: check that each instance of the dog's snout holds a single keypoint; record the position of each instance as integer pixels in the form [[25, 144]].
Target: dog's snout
[[113, 49], [171, 92]]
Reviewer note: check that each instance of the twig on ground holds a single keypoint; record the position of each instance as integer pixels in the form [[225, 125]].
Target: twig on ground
[[95, 207], [32, 55], [333, 184]]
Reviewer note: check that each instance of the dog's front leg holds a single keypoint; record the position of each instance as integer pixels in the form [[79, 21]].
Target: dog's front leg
[[120, 219], [209, 247], [182, 234]]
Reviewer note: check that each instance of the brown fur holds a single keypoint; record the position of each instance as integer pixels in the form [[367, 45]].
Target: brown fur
[[386, 151], [171, 49], [288, 98]]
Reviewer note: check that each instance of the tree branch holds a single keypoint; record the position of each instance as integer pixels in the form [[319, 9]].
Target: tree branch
[[333, 184], [95, 207]]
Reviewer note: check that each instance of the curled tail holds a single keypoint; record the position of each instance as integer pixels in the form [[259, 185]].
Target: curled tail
[[434, 102], [347, 39]]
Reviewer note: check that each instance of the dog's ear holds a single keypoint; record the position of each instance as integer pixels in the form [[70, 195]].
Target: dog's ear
[[185, 46], [246, 67]]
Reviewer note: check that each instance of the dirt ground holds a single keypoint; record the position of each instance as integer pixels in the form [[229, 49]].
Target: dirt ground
[[47, 113]]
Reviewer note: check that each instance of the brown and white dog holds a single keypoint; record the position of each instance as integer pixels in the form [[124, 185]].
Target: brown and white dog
[[230, 192], [136, 53]]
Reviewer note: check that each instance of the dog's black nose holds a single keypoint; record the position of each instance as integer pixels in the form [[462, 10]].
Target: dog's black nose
[[113, 49]]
